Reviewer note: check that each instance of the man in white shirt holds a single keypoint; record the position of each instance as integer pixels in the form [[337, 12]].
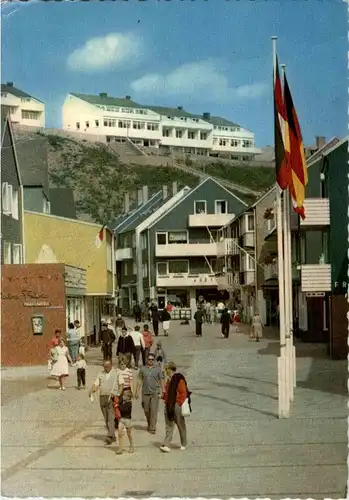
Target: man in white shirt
[[220, 307], [110, 383], [138, 341]]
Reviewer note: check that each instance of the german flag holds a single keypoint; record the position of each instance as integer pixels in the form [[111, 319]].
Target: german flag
[[281, 135], [296, 158]]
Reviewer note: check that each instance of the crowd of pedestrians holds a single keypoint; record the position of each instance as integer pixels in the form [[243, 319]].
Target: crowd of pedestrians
[[135, 349]]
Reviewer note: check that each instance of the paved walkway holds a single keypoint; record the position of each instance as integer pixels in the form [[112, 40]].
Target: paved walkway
[[52, 442]]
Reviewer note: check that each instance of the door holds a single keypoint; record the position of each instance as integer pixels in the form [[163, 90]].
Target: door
[[315, 309], [161, 301]]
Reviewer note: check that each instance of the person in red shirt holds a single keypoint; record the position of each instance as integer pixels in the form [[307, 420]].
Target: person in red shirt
[[148, 342], [175, 393], [54, 342]]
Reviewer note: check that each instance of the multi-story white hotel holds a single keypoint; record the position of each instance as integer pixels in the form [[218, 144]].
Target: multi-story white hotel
[[168, 129], [24, 109]]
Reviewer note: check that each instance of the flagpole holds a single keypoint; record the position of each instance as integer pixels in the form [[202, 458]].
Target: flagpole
[[284, 402], [291, 354]]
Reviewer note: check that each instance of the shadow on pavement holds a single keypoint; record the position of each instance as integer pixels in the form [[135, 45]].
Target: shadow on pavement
[[227, 401], [253, 379], [243, 388]]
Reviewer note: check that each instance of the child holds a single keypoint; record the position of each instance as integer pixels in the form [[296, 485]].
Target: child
[[125, 424], [81, 371], [148, 342]]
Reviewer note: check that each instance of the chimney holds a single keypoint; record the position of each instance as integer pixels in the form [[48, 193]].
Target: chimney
[[103, 94], [206, 116], [128, 98], [127, 203], [164, 192], [180, 108], [320, 141], [9, 84], [174, 188], [140, 197], [145, 194]]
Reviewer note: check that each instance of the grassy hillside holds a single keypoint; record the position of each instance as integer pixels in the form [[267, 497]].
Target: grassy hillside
[[259, 178], [99, 179]]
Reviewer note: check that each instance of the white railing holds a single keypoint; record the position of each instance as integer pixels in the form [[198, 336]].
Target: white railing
[[317, 212], [186, 249], [228, 246], [316, 277], [123, 254], [185, 279], [271, 271], [210, 220]]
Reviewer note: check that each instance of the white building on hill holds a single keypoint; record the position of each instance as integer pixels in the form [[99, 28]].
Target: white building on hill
[[24, 109], [168, 129]]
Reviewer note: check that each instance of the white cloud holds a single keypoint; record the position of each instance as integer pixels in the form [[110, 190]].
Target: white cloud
[[105, 52], [202, 79]]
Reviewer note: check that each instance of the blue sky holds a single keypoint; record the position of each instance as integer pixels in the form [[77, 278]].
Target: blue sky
[[212, 56]]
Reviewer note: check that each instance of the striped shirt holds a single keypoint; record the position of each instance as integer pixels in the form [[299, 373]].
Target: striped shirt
[[127, 376]]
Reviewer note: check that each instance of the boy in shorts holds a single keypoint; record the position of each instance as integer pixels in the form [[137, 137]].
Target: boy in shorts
[[125, 424]]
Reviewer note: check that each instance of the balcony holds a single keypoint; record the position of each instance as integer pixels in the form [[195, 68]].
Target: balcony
[[316, 278], [186, 250], [317, 213], [181, 280], [248, 239], [271, 271], [228, 246], [210, 220], [247, 278], [123, 254]]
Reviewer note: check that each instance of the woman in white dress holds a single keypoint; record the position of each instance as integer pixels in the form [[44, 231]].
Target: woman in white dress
[[60, 367], [257, 327]]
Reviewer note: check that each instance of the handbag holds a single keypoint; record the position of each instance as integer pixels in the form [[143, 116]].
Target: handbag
[[185, 409]]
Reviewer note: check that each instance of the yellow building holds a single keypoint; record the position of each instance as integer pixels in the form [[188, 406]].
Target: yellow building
[[84, 245]]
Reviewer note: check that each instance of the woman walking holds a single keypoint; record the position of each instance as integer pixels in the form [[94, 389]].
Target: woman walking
[[257, 327], [60, 368], [175, 394]]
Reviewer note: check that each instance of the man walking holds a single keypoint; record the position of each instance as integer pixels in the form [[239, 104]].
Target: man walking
[[137, 311], [107, 339], [151, 379], [155, 318], [199, 319], [110, 384], [125, 346], [139, 345]]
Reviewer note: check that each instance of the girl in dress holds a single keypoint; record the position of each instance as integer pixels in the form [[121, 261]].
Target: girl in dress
[[60, 368]]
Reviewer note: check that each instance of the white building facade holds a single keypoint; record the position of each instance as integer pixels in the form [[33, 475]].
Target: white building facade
[[24, 109], [170, 130]]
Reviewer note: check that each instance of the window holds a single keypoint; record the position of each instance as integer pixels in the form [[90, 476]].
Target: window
[[138, 125], [109, 258], [161, 238], [109, 122], [179, 134], [178, 237], [203, 136], [221, 207], [134, 240], [191, 135], [143, 241], [25, 99], [247, 144], [15, 204], [7, 253], [250, 223], [178, 267], [162, 268], [125, 268], [134, 268], [200, 207], [165, 132], [78, 125], [245, 158], [234, 143], [30, 115], [6, 195], [222, 142], [3, 94], [46, 207], [126, 241], [87, 124], [152, 126], [124, 124], [97, 123]]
